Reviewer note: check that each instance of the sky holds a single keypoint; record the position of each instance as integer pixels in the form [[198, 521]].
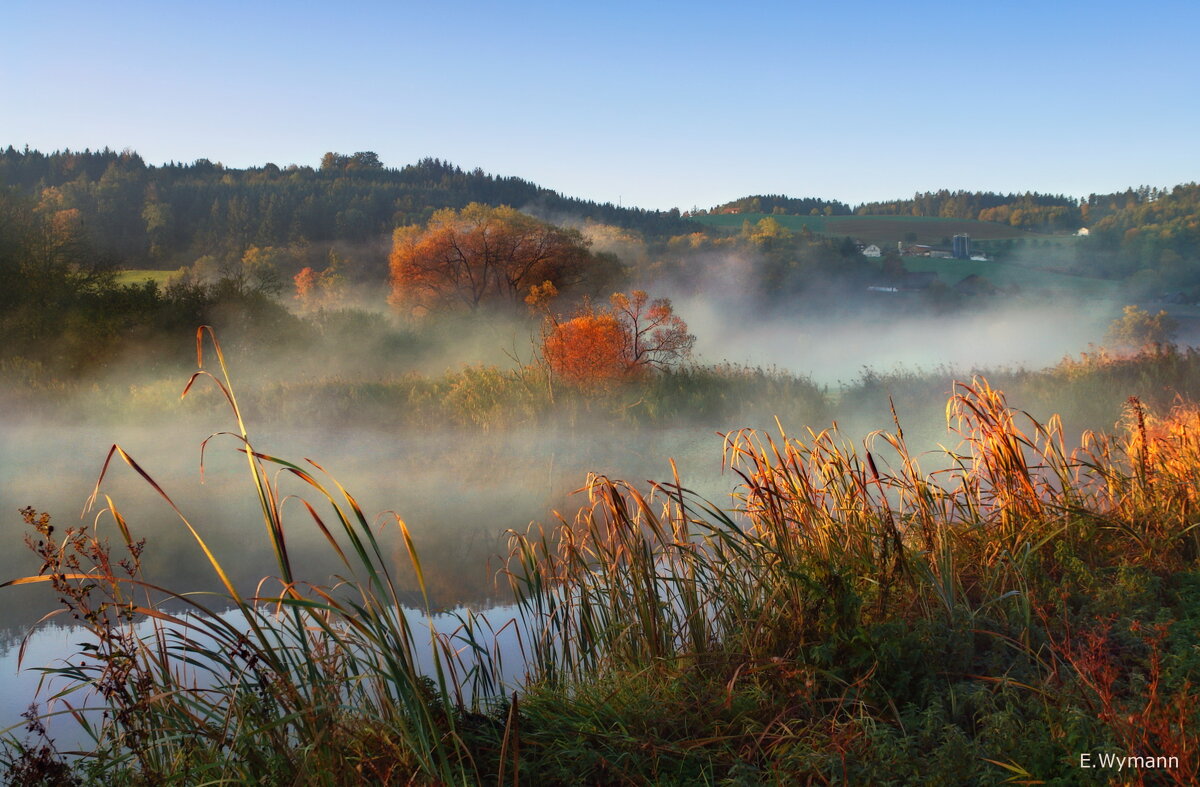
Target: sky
[[657, 105]]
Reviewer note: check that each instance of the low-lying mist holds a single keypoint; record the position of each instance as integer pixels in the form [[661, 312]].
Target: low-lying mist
[[459, 494], [834, 345]]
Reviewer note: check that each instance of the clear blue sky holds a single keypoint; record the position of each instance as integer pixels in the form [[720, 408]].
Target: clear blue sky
[[655, 104]]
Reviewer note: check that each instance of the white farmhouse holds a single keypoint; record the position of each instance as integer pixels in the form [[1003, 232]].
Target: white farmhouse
[[872, 251], [1083, 232]]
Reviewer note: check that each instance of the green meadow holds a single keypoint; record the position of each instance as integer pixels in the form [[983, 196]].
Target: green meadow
[[1009, 275]]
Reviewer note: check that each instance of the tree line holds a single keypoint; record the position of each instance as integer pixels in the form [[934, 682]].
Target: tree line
[[1030, 211], [1152, 234], [63, 312], [170, 215], [1149, 233], [779, 204]]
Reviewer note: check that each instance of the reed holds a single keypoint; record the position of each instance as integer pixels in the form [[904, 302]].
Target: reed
[[636, 579], [826, 548], [294, 682]]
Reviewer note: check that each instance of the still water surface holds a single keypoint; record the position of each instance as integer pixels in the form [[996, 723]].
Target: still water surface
[[458, 492]]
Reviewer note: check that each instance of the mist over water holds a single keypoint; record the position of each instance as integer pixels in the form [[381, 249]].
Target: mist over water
[[834, 346], [459, 490], [458, 493]]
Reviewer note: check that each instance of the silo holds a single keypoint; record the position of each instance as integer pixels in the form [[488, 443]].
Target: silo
[[962, 247]]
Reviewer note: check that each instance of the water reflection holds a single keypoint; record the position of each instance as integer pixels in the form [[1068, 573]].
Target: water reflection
[[459, 493]]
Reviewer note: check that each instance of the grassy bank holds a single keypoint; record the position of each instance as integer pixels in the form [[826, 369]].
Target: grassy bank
[[860, 614], [1088, 390], [469, 398], [141, 275]]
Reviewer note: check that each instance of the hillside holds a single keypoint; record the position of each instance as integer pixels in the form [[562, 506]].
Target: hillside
[[1020, 276], [881, 230]]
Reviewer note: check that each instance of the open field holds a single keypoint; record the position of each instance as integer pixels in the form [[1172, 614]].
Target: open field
[[929, 230], [1004, 274], [881, 229], [139, 275]]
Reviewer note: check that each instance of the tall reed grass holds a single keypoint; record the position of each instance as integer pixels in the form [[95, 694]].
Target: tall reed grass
[[851, 614], [831, 556], [294, 682], [822, 533]]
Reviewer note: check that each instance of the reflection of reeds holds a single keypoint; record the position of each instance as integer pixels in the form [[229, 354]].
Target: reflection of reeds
[[803, 590]]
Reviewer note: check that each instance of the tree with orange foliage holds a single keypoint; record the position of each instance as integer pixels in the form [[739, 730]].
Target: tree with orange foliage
[[320, 289], [588, 350], [479, 255], [1137, 328], [306, 285], [656, 336], [597, 347]]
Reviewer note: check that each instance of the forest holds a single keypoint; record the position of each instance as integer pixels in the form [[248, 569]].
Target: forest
[[165, 216]]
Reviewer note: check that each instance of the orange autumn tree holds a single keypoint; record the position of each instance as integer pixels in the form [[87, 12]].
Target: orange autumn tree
[[320, 289], [588, 350], [306, 286], [480, 255], [656, 337], [599, 346]]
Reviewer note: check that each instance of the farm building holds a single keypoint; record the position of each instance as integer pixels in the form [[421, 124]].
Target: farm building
[[872, 251]]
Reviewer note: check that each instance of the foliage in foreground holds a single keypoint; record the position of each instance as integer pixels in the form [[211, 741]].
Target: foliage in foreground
[[853, 617], [861, 620], [294, 679]]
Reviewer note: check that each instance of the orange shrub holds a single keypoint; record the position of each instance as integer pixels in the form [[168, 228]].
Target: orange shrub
[[589, 350]]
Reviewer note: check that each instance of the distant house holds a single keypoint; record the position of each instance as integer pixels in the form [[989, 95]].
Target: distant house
[[1083, 232], [872, 251]]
